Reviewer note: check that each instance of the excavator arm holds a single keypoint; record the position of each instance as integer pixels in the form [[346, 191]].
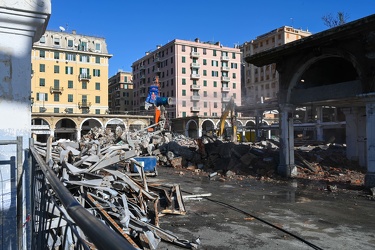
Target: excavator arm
[[229, 109]]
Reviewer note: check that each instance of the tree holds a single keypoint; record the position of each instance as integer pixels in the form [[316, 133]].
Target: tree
[[333, 21]]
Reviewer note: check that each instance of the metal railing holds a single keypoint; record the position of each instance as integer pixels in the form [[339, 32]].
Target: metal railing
[[16, 165], [59, 220]]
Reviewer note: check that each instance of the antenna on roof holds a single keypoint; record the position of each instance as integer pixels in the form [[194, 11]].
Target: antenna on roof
[[62, 29]]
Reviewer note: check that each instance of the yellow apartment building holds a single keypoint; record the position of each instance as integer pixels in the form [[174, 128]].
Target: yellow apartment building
[[262, 83], [120, 93], [69, 74]]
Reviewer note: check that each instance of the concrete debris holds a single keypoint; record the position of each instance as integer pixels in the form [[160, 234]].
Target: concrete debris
[[108, 172]]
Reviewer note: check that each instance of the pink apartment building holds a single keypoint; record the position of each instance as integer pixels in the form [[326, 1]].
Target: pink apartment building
[[201, 76]]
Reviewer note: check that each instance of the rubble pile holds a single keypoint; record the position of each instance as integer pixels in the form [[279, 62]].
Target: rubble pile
[[102, 172], [325, 162]]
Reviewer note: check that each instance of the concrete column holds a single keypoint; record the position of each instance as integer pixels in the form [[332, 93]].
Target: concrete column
[[370, 134], [286, 166], [356, 134], [319, 128], [21, 24]]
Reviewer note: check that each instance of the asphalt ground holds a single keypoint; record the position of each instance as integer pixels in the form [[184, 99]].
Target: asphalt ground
[[246, 213]]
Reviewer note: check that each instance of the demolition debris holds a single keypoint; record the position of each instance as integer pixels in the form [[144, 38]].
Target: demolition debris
[[109, 174]]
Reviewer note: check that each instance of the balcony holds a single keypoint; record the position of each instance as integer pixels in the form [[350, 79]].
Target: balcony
[[195, 109], [142, 76], [225, 89], [195, 87], [195, 76], [142, 95], [53, 90], [225, 99], [194, 54], [84, 105], [225, 58], [225, 78], [157, 59], [195, 97], [157, 70], [84, 77], [225, 68], [195, 65]]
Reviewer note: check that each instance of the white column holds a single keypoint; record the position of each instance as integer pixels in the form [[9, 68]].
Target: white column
[[319, 128], [21, 24], [370, 133], [286, 166]]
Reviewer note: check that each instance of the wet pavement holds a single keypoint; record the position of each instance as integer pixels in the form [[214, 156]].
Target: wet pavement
[[246, 213]]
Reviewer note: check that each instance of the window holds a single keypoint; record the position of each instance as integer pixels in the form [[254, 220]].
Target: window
[[56, 69], [56, 55], [183, 48], [205, 83], [42, 82], [96, 72], [97, 59], [214, 63], [97, 46], [69, 110], [204, 93], [183, 81], [97, 99], [68, 70], [234, 85], [56, 110], [70, 84], [234, 75], [84, 85], [215, 105], [70, 98], [97, 111], [42, 68], [56, 97], [214, 52], [42, 39], [233, 55], [42, 97], [56, 41], [70, 57], [56, 84], [205, 104], [183, 92], [70, 43], [84, 58], [183, 103], [97, 86], [205, 72], [204, 62], [215, 73], [183, 71], [42, 53], [233, 65], [183, 114], [183, 59], [204, 51], [215, 84]]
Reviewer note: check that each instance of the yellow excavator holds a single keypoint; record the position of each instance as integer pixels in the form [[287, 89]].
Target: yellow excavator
[[229, 133]]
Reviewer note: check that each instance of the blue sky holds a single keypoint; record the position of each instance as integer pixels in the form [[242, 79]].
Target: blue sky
[[132, 28]]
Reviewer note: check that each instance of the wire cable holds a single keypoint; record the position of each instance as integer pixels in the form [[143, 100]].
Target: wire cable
[[259, 219]]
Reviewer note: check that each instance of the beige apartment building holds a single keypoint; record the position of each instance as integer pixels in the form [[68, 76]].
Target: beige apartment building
[[120, 93], [69, 74], [262, 83], [201, 76]]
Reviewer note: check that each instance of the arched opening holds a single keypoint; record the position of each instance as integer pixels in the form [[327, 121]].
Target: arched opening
[[65, 129], [192, 129], [41, 129], [208, 128], [88, 125]]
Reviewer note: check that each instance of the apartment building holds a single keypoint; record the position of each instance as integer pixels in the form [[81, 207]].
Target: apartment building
[[120, 93], [201, 76], [262, 83], [69, 73]]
